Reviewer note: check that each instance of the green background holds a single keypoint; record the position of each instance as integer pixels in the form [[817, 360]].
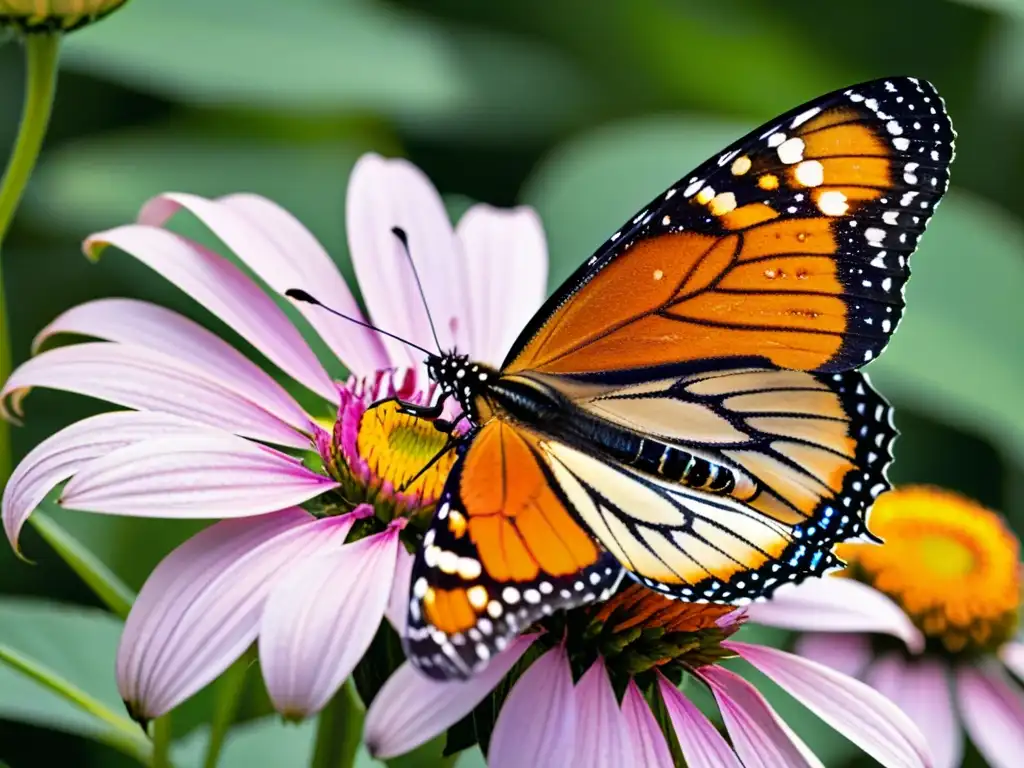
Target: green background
[[585, 110]]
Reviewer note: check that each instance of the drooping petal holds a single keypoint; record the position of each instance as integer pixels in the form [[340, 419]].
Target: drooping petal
[[397, 611], [758, 734], [383, 194], [198, 476], [320, 619], [848, 653], [920, 687], [857, 711], [538, 720], [226, 291], [602, 738], [145, 380], [993, 712], [1012, 654], [412, 708], [64, 453], [702, 745], [201, 606], [836, 605], [284, 254], [129, 321], [648, 742], [507, 271]]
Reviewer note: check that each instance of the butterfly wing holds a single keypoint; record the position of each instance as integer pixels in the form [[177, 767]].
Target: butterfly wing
[[501, 552], [790, 249], [807, 454]]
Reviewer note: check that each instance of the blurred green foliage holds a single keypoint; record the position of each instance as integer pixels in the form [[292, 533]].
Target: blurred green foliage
[[584, 110]]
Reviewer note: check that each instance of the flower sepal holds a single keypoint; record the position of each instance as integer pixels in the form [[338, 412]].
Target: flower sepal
[[32, 17]]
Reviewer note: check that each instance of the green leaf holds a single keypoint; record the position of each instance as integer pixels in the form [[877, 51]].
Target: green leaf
[[58, 672], [956, 355], [100, 579], [331, 57]]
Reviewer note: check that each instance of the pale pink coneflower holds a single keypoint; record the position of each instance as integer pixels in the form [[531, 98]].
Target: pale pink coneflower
[[950, 570], [211, 435], [585, 698]]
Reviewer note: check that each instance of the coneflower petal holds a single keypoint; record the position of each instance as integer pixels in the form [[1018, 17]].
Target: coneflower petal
[[320, 619], [198, 476], [758, 734], [1012, 654], [993, 712], [146, 380], [702, 745], [845, 652], [201, 607], [649, 745], [61, 455], [412, 708], [397, 611], [506, 258], [836, 605], [284, 254], [602, 735], [538, 719], [860, 713], [129, 321], [921, 688], [383, 194], [226, 291]]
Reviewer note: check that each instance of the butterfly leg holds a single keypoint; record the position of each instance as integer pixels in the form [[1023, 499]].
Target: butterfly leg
[[450, 443]]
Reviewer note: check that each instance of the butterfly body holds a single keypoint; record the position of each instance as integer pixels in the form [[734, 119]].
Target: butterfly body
[[686, 407]]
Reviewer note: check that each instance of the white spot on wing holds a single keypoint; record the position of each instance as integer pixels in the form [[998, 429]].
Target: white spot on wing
[[803, 117]]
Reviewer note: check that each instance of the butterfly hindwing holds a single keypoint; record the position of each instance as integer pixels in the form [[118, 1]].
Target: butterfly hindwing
[[501, 552], [725, 484], [790, 248]]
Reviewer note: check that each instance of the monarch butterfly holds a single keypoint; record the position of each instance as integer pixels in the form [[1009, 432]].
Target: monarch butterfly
[[686, 407]]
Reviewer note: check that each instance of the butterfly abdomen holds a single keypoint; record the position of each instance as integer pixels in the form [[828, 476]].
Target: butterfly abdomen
[[548, 411]]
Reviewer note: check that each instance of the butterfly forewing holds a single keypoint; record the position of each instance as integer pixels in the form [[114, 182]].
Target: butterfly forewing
[[791, 248], [502, 551]]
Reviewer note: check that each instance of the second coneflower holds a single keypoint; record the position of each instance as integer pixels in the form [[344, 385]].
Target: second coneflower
[[950, 569], [211, 435], [596, 676]]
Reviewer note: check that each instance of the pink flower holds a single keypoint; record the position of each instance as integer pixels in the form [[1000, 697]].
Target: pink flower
[[211, 435], [928, 619], [563, 708]]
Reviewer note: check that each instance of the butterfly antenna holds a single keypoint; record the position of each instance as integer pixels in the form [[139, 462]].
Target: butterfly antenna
[[300, 295], [404, 238]]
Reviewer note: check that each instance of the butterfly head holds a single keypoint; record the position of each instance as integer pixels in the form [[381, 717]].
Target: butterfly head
[[460, 377]]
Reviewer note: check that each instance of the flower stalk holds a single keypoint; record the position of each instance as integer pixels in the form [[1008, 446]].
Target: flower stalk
[[338, 730], [162, 742], [229, 696], [42, 51]]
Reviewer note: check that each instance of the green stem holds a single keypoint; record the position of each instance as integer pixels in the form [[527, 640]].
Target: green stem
[[162, 742], [121, 733], [100, 579], [229, 696], [41, 53], [338, 730]]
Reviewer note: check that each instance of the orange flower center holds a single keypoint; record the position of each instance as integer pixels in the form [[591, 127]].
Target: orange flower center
[[638, 630], [951, 564]]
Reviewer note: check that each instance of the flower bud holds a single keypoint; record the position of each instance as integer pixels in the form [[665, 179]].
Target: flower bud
[[53, 15]]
